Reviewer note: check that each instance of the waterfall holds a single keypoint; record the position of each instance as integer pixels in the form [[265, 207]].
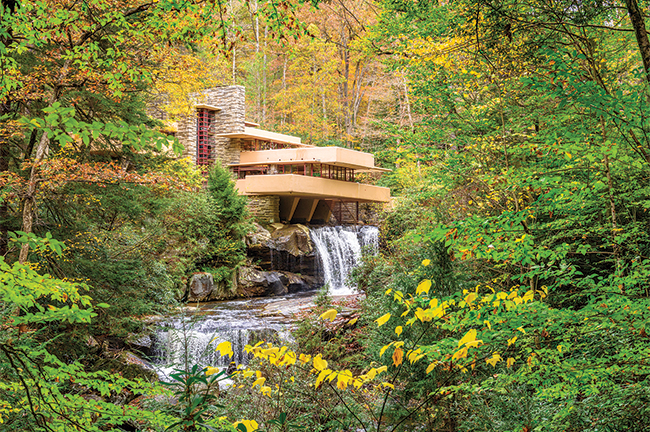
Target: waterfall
[[339, 249], [191, 340]]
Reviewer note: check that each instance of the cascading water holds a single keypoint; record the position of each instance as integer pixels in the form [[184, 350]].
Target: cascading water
[[186, 341], [191, 340], [339, 249]]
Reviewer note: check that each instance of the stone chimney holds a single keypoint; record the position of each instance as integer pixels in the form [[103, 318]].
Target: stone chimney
[[227, 117]]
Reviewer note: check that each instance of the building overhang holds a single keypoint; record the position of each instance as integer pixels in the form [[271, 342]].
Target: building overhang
[[252, 133], [335, 156], [295, 185], [207, 107]]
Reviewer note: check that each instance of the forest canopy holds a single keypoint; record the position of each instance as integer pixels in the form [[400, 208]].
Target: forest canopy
[[512, 288]]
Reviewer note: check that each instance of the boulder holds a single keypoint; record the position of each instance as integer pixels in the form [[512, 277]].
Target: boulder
[[200, 287], [139, 342], [297, 283], [127, 364], [255, 283], [293, 239], [276, 226], [283, 248], [258, 239]]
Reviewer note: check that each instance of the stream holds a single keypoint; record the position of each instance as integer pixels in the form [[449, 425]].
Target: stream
[[191, 337]]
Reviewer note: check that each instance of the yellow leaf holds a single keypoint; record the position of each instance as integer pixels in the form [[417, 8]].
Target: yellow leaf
[[423, 287], [211, 370], [462, 353], [510, 362], [512, 340], [559, 348], [225, 348], [470, 298], [487, 323], [470, 336], [329, 314], [415, 355], [289, 358], [398, 330], [372, 373], [251, 425], [353, 321], [260, 382], [432, 366], [383, 349], [398, 356], [426, 262], [343, 379], [494, 359], [321, 376], [319, 363], [382, 319], [389, 385], [521, 329]]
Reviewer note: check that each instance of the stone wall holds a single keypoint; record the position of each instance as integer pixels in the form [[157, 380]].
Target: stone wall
[[232, 101], [154, 108], [264, 208]]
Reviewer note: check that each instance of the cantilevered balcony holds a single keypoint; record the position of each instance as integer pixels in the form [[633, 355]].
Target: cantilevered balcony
[[331, 156], [304, 186], [316, 172]]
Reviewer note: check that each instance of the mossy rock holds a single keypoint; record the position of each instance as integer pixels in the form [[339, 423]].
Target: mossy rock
[[128, 365]]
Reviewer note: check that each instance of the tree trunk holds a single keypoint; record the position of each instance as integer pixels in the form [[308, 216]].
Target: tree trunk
[[4, 209], [29, 200], [641, 34]]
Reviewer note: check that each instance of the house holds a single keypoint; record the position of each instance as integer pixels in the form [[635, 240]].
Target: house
[[284, 179]]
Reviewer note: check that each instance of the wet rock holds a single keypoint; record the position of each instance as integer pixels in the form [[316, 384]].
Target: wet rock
[[283, 248], [276, 226], [139, 342], [128, 365], [254, 283], [288, 309], [297, 283], [152, 319], [200, 287], [293, 239], [258, 239]]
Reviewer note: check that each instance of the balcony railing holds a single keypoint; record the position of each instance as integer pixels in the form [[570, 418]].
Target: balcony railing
[[311, 169]]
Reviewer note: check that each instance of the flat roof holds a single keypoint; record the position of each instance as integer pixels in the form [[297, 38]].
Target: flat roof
[[208, 107], [360, 168], [264, 135]]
